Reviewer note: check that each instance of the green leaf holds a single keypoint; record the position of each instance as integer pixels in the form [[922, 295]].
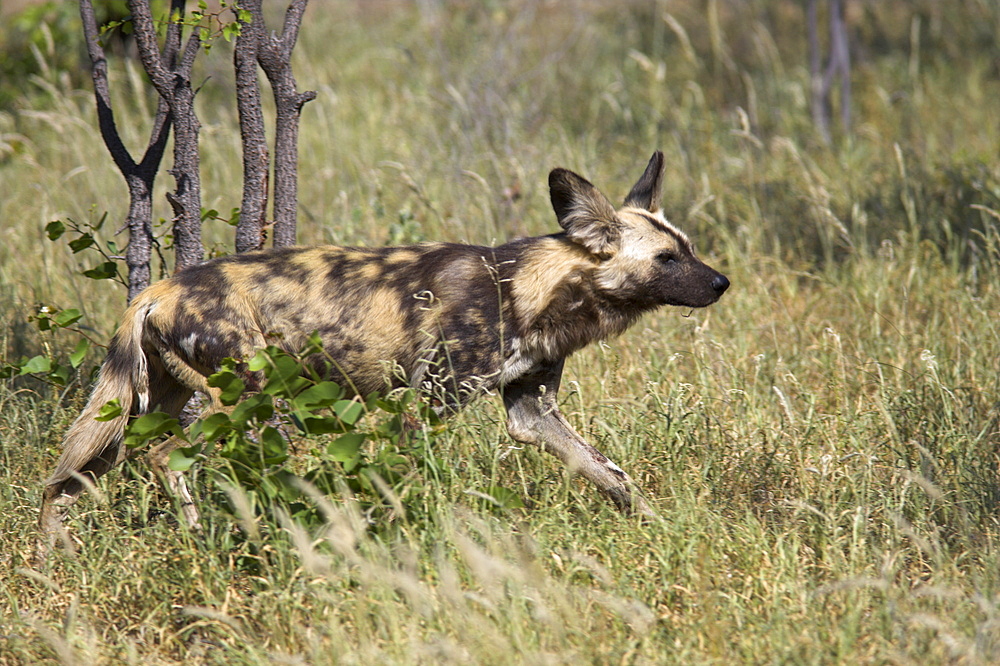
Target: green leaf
[[430, 416], [42, 319], [81, 243], [211, 427], [319, 425], [180, 461], [286, 388], [76, 358], [59, 375], [258, 407], [36, 364], [55, 229], [505, 498], [109, 410], [345, 448], [391, 428], [398, 404], [151, 426], [323, 394], [348, 411], [231, 385], [209, 213], [283, 374], [103, 271], [273, 446], [67, 317], [260, 361]]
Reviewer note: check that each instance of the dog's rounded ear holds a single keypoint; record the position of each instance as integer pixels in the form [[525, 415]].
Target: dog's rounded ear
[[587, 216], [646, 193]]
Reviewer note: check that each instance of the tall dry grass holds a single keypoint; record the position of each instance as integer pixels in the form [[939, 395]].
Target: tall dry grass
[[821, 445]]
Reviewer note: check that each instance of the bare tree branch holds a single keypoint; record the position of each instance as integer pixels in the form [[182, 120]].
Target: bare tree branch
[[144, 32]]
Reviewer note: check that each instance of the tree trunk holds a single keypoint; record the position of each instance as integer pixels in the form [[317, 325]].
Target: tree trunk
[[839, 64], [275, 55], [139, 177], [840, 60], [140, 233], [819, 101], [170, 74], [186, 200], [253, 209]]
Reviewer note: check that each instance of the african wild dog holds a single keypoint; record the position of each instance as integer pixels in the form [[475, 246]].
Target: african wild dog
[[465, 318]]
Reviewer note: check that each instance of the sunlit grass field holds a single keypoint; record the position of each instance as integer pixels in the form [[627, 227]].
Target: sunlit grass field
[[821, 445]]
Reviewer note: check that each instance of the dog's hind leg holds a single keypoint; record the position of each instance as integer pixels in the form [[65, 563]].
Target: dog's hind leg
[[158, 457], [533, 417], [173, 481]]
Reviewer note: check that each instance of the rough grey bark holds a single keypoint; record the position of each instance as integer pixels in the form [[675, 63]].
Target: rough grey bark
[[275, 56], [253, 209], [170, 73], [839, 64], [139, 176]]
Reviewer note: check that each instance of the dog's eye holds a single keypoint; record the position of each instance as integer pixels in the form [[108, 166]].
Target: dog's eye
[[667, 258]]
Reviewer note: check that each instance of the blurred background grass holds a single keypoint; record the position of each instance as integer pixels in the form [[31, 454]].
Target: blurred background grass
[[822, 444]]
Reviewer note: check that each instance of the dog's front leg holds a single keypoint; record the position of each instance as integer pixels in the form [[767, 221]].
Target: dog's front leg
[[533, 417]]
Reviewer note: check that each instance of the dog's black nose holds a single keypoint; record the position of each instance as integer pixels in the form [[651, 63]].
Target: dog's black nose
[[720, 283]]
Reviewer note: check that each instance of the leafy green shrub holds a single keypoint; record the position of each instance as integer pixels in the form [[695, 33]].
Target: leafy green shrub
[[381, 466]]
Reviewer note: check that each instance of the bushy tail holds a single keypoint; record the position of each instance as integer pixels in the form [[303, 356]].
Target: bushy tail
[[123, 377]]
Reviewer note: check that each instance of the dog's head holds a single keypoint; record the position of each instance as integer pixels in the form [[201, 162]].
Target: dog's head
[[643, 260]]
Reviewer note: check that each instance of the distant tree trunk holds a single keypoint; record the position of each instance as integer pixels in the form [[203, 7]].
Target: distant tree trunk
[[138, 176], [275, 56], [839, 63], [818, 102], [170, 73], [253, 210]]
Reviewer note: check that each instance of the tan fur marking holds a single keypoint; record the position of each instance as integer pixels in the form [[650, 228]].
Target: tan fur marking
[[370, 271], [401, 257], [638, 212], [384, 307], [546, 267]]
